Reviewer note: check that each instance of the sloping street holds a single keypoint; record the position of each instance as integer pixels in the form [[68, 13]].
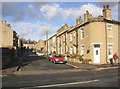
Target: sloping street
[[37, 72]]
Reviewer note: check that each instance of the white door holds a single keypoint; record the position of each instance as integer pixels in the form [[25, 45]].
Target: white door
[[96, 55]]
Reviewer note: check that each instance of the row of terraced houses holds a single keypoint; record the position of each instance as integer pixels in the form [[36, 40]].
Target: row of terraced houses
[[10, 43], [94, 38]]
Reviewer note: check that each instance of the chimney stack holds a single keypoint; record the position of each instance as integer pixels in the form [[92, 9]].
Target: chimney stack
[[107, 12], [4, 22], [79, 21], [8, 25], [65, 26], [87, 16]]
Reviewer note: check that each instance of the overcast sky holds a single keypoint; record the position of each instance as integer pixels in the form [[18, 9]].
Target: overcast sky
[[32, 19]]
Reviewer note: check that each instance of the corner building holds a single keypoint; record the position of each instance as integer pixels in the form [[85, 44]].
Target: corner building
[[94, 38]]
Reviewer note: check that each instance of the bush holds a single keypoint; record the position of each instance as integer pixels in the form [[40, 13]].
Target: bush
[[77, 56]]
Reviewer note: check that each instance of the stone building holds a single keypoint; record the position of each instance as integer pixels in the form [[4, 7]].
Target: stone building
[[40, 46], [94, 38], [62, 45], [9, 37]]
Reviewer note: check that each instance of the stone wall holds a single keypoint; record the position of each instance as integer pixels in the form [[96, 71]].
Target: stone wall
[[8, 55]]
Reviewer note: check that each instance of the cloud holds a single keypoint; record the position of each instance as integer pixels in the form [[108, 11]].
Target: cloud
[[30, 6], [32, 31], [20, 11], [51, 11], [13, 10], [68, 13], [112, 3], [115, 12]]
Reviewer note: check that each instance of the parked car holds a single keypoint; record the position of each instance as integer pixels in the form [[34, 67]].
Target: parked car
[[58, 59], [48, 57], [39, 54]]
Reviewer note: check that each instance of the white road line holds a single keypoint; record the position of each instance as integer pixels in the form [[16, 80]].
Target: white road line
[[1, 75], [117, 77], [106, 68], [33, 55], [72, 65], [61, 84]]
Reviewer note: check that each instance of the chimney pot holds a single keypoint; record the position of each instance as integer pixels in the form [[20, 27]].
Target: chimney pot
[[87, 12], [107, 6], [103, 7]]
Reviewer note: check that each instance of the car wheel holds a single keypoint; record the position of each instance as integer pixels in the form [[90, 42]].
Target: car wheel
[[54, 62]]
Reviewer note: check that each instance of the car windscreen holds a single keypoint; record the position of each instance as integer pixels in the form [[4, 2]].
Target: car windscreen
[[58, 56]]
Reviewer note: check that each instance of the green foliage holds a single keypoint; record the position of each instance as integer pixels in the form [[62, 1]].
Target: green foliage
[[77, 56], [54, 52]]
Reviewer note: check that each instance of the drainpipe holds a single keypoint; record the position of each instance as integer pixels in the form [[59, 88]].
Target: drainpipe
[[65, 42], [76, 41], [56, 45], [106, 40], [60, 44]]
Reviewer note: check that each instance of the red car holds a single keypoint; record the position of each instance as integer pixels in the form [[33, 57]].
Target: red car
[[58, 59]]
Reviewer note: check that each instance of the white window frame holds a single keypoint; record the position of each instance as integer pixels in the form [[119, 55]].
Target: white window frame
[[74, 34], [82, 33], [71, 50], [109, 26], [71, 37], [53, 39], [82, 49], [63, 37], [110, 50]]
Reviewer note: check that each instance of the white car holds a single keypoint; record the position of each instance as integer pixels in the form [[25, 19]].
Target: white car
[[39, 54]]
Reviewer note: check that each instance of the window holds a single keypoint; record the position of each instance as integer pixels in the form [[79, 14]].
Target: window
[[109, 26], [74, 34], [54, 39], [110, 51], [96, 52], [63, 37], [75, 50], [70, 37], [71, 50], [66, 36], [82, 33], [82, 50]]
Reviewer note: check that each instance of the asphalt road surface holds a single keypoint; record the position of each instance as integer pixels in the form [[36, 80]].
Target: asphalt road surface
[[101, 78], [40, 63]]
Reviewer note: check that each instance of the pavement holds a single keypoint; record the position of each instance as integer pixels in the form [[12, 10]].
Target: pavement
[[93, 66], [77, 67]]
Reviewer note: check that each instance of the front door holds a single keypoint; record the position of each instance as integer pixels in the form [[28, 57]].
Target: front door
[[96, 54]]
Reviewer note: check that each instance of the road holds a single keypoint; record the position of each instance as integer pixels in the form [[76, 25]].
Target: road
[[104, 78], [101, 78]]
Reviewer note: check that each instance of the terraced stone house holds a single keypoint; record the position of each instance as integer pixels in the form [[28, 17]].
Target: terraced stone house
[[94, 38]]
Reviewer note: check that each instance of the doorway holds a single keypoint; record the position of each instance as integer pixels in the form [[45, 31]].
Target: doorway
[[96, 53]]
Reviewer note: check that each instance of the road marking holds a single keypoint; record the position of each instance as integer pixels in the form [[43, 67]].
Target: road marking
[[1, 75], [72, 65], [106, 68], [33, 55], [117, 77], [55, 85]]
